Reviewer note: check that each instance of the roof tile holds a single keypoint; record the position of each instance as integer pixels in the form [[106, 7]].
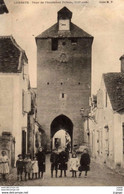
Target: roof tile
[[10, 55], [74, 32], [114, 83]]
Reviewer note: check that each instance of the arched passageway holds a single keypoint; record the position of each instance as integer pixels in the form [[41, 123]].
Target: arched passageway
[[62, 132]]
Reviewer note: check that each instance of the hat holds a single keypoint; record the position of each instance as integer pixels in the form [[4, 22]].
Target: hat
[[3, 152], [19, 155], [85, 149]]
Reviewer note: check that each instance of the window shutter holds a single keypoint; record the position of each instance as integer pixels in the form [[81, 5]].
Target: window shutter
[[27, 101]]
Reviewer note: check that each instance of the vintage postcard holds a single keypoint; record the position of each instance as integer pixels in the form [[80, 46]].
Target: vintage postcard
[[61, 93]]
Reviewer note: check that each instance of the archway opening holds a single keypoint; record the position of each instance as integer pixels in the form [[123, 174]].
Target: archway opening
[[62, 133]]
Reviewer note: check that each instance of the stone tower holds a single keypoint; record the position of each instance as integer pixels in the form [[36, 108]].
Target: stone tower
[[63, 77]]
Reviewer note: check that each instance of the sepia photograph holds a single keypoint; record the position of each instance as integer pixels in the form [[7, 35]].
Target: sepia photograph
[[62, 93]]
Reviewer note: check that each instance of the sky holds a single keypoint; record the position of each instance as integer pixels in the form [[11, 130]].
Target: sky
[[104, 21]]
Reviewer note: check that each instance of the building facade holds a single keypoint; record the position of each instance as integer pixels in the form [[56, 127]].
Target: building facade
[[107, 128], [64, 53], [15, 98]]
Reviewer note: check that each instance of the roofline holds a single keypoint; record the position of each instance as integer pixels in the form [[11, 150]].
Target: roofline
[[122, 108], [4, 7], [21, 50], [15, 44], [85, 37], [118, 109], [60, 36], [122, 57]]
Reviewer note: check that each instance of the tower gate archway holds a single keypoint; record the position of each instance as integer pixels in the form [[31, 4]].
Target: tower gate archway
[[61, 132]]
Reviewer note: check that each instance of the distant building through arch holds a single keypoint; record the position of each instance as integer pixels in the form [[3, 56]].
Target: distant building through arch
[[62, 123]]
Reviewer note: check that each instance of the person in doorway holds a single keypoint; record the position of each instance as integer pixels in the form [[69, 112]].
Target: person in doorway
[[74, 164], [84, 163], [41, 162], [4, 165], [54, 159], [19, 166], [63, 159]]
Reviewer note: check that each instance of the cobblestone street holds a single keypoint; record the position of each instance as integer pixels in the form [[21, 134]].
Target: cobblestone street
[[99, 175]]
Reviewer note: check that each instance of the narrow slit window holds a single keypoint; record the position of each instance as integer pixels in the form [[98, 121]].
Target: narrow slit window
[[62, 95], [64, 43]]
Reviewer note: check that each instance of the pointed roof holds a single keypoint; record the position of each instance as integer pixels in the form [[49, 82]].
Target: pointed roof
[[114, 83], [3, 8], [122, 57], [64, 13], [75, 32], [11, 55]]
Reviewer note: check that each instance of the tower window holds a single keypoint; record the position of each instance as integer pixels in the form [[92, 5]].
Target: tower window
[[61, 83], [54, 44], [48, 83], [62, 95], [74, 41], [64, 43]]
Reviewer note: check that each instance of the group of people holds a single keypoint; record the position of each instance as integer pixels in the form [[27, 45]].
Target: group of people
[[61, 160], [32, 169]]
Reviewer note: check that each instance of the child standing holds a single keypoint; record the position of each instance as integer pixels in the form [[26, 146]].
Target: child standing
[[28, 166], [84, 163], [54, 162], [41, 157], [63, 159], [19, 166], [4, 165], [74, 164], [34, 168]]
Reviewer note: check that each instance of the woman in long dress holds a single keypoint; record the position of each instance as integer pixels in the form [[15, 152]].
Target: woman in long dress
[[84, 163]]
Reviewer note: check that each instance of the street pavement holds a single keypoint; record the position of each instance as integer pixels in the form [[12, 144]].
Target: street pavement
[[99, 175]]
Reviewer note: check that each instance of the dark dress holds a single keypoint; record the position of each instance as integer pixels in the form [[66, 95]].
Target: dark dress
[[41, 161], [54, 159], [84, 162], [63, 159]]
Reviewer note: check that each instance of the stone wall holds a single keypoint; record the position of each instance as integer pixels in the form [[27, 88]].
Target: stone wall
[[7, 143]]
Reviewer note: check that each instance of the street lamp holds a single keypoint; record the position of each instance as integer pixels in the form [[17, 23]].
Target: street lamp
[[85, 115]]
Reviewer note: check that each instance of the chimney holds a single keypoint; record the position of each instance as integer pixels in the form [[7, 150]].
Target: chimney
[[122, 63]]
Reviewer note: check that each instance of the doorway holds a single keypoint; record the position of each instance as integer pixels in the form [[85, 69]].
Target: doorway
[[62, 133]]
